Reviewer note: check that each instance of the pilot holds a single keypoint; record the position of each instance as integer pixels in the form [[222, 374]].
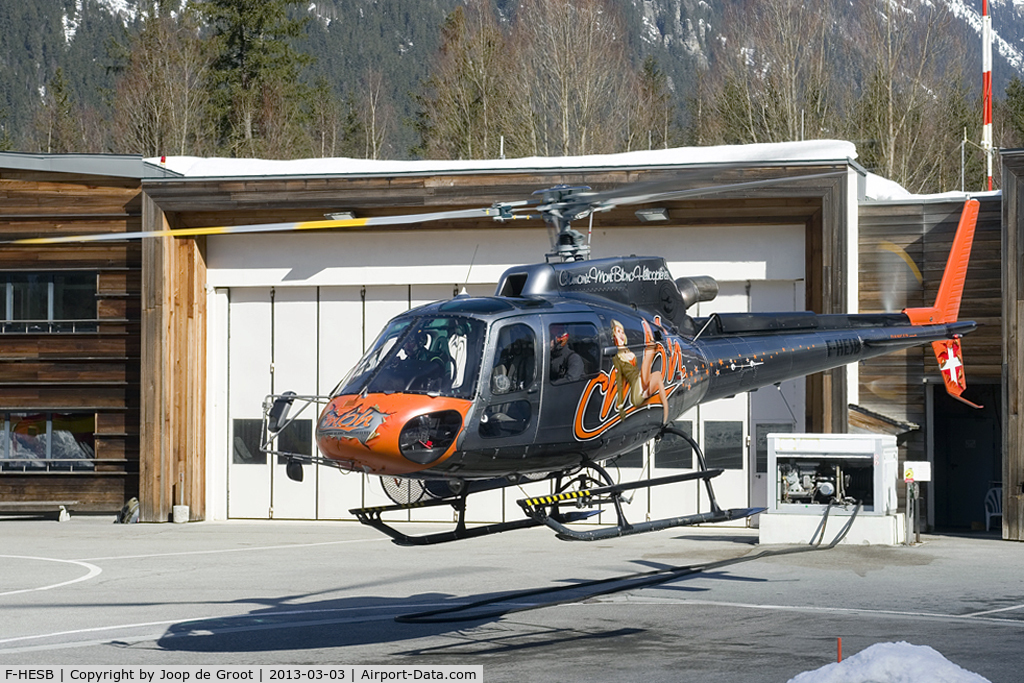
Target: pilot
[[410, 368], [566, 364]]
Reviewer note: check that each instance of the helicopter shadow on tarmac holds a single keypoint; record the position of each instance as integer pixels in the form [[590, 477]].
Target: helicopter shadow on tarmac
[[293, 623]]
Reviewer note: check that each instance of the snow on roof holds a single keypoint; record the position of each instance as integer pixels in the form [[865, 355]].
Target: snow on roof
[[877, 188], [893, 663], [768, 153]]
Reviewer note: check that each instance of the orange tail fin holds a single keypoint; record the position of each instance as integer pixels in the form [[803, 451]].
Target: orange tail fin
[[947, 304], [951, 289]]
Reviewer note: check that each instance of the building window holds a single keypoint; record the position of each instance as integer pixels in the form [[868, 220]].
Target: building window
[[723, 444], [47, 441], [48, 302], [761, 432], [246, 441], [633, 458]]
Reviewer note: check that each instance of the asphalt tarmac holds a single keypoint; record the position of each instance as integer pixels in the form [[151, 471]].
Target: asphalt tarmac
[[87, 591]]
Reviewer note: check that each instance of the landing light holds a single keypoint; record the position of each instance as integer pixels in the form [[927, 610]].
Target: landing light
[[652, 215], [424, 439]]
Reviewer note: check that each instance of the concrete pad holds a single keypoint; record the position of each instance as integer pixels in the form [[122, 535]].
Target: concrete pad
[[91, 592]]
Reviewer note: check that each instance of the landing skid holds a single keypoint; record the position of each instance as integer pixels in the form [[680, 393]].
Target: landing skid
[[544, 509], [582, 490], [372, 517]]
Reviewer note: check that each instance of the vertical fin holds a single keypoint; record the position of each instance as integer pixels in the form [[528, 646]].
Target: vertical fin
[[951, 289]]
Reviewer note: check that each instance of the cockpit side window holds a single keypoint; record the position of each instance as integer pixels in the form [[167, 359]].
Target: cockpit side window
[[515, 360], [513, 372]]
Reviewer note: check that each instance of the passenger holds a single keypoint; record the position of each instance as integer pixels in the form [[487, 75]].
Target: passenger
[[566, 364]]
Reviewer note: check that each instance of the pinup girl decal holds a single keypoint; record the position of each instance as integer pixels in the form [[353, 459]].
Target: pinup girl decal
[[639, 382]]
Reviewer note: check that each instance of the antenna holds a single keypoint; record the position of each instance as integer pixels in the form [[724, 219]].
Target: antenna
[[986, 88], [468, 272]]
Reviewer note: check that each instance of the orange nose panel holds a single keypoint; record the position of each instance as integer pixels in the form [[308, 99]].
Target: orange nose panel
[[361, 433]]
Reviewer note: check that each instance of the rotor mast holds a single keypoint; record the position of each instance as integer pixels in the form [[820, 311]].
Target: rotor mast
[[560, 205]]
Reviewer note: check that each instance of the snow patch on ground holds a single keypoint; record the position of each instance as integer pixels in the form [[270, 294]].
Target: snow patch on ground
[[71, 22], [972, 16], [892, 663]]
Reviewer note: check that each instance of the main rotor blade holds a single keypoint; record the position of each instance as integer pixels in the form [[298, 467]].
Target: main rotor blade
[[407, 219], [613, 198]]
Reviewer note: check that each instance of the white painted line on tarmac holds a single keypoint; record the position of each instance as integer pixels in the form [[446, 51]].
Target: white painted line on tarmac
[[234, 550], [995, 611], [93, 571], [821, 610]]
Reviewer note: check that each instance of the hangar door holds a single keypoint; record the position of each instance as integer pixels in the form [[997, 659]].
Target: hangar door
[[301, 339]]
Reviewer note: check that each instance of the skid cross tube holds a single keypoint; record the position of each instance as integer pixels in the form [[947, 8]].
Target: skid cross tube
[[544, 509]]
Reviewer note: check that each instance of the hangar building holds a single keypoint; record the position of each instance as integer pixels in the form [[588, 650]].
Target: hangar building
[[139, 368]]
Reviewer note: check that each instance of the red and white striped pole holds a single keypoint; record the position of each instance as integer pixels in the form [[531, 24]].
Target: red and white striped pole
[[986, 88]]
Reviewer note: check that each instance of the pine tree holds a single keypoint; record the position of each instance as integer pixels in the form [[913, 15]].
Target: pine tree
[[257, 95], [652, 122], [57, 126], [1014, 106]]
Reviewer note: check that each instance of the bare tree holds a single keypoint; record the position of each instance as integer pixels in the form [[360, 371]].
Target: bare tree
[[899, 121], [776, 74], [377, 114], [467, 92], [572, 57], [327, 120], [161, 96]]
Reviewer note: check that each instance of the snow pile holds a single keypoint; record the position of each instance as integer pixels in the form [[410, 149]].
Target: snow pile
[[892, 663], [882, 189]]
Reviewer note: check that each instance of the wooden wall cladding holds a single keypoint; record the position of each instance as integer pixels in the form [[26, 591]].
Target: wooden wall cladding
[[1013, 344], [95, 371], [893, 385], [173, 418], [88, 491]]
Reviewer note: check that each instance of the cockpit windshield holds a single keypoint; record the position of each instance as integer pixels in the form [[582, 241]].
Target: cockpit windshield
[[428, 355]]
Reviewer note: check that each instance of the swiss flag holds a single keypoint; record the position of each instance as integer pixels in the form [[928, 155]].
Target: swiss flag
[[951, 363]]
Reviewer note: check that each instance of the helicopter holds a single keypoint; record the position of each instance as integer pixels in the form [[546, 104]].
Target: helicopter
[[571, 364]]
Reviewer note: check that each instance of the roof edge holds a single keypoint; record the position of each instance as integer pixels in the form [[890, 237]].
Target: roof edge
[[110, 165]]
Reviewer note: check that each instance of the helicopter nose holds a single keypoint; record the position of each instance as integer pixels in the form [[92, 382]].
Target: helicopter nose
[[389, 433]]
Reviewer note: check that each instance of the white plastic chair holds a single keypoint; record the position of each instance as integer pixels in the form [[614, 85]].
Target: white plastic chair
[[993, 505]]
